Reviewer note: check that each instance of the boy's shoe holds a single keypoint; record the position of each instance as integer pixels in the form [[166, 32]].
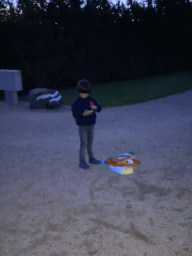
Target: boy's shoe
[[84, 165], [94, 161]]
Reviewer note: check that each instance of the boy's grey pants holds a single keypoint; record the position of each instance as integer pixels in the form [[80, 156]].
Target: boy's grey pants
[[86, 134]]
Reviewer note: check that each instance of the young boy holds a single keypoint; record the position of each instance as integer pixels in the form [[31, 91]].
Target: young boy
[[83, 110]]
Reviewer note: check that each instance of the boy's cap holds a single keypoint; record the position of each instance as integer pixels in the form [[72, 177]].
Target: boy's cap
[[84, 85]]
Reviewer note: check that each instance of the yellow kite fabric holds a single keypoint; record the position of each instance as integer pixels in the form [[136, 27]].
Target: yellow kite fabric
[[122, 164]]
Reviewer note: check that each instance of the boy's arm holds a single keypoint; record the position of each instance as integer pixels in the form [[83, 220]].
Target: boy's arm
[[99, 108], [75, 109]]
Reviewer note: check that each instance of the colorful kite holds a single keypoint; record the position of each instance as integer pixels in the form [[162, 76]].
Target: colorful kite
[[122, 164]]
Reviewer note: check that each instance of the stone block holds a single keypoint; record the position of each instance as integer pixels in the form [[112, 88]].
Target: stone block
[[11, 83]]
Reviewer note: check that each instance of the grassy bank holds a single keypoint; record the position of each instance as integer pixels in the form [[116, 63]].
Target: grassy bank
[[132, 92]]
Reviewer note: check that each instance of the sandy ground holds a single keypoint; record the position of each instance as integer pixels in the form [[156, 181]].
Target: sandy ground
[[51, 207]]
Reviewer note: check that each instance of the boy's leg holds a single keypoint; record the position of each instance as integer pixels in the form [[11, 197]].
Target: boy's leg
[[90, 141], [83, 143]]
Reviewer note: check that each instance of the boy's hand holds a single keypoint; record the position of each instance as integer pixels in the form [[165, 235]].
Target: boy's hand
[[93, 107], [86, 113]]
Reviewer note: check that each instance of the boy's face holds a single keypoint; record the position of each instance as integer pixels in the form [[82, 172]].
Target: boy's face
[[84, 95]]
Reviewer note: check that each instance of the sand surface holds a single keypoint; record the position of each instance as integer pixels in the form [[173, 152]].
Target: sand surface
[[51, 207]]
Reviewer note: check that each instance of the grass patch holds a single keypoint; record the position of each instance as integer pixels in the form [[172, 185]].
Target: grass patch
[[131, 92]]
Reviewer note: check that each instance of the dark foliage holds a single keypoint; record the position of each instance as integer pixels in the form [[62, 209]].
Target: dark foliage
[[56, 44]]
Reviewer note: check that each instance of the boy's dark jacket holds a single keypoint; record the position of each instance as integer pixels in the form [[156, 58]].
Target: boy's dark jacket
[[80, 105]]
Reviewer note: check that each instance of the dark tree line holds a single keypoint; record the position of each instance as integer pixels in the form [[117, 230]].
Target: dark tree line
[[57, 43]]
